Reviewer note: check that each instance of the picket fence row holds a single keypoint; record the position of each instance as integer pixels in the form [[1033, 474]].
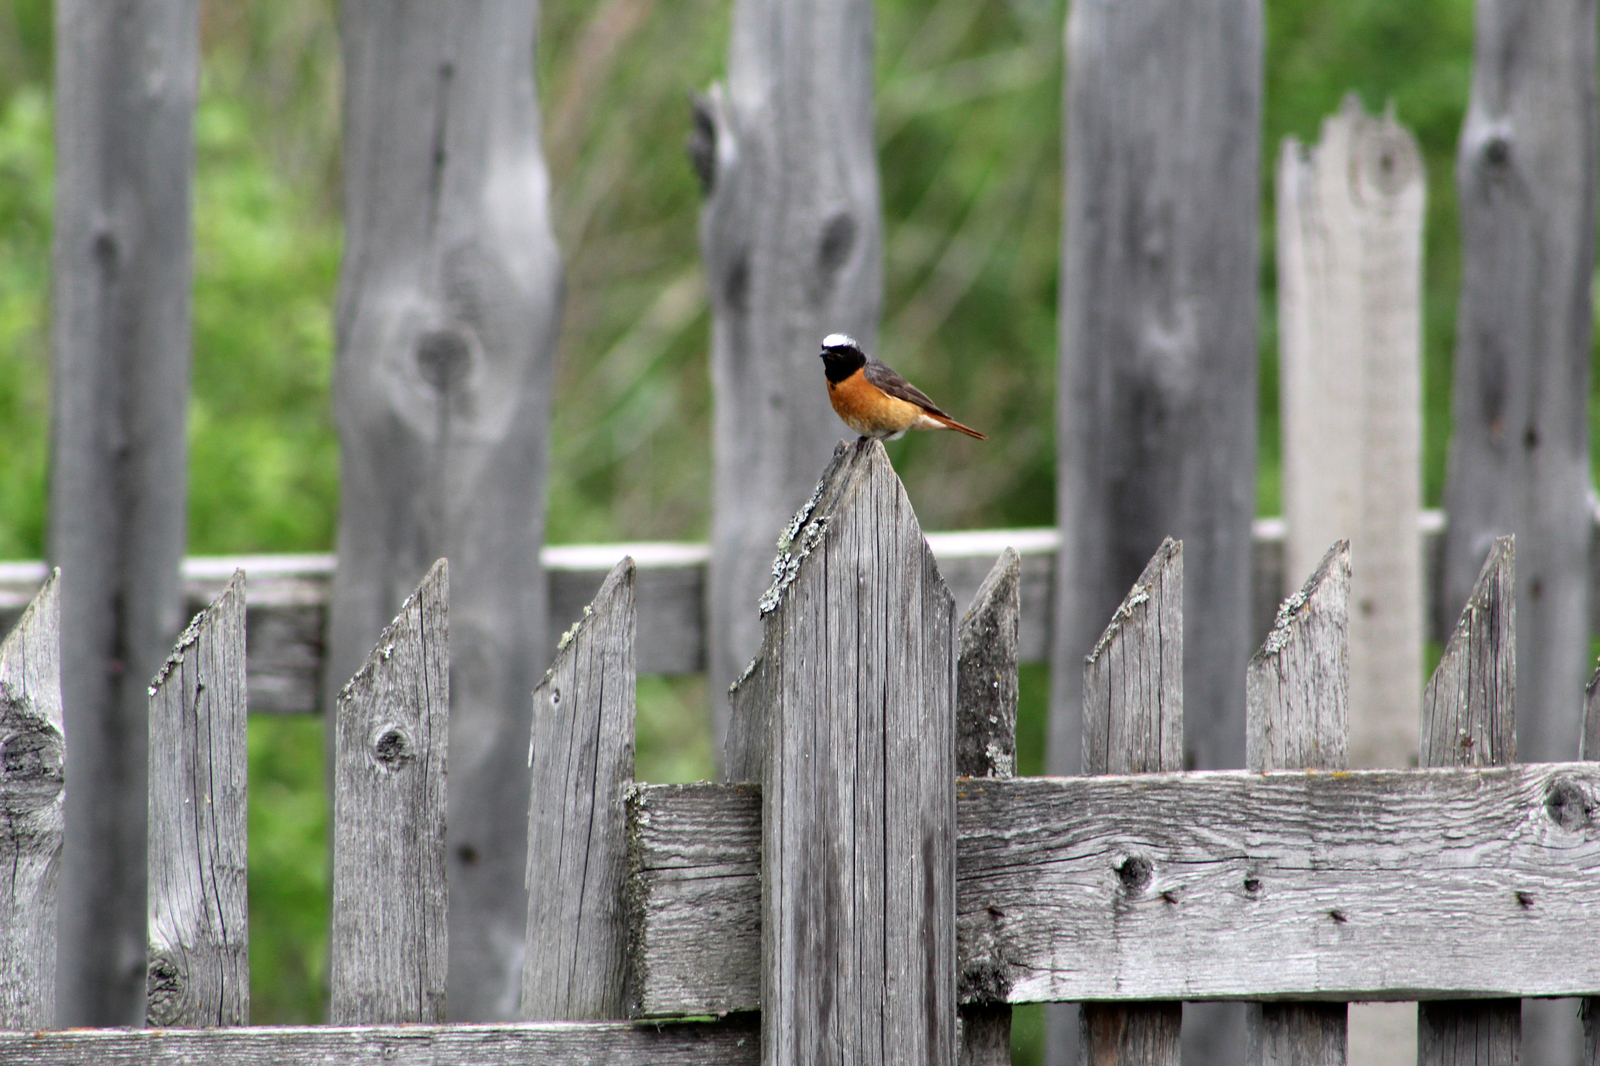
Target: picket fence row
[[872, 872]]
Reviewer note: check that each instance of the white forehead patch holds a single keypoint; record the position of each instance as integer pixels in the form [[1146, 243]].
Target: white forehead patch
[[839, 340]]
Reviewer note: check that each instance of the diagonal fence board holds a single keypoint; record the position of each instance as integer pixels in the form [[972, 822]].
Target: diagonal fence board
[[731, 1042], [386, 954], [32, 794], [580, 761], [199, 928], [1409, 860]]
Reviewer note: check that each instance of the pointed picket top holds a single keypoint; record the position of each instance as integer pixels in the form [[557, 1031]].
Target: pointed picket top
[[1469, 706], [32, 790], [1133, 679], [198, 927], [387, 952], [986, 674], [1297, 686], [580, 760]]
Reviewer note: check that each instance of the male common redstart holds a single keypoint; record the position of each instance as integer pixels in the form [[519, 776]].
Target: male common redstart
[[875, 401]]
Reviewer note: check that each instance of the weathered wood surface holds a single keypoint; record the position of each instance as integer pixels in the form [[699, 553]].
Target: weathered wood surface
[[732, 1042], [1519, 446], [1132, 724], [1468, 707], [986, 674], [1297, 712], [1589, 1009], [1350, 214], [448, 304], [199, 913], [126, 81], [32, 758], [386, 954], [1469, 719], [792, 241], [986, 746], [858, 955], [1297, 696], [1189, 886], [580, 759]]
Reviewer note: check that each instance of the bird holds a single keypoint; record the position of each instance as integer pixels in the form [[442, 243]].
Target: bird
[[875, 401]]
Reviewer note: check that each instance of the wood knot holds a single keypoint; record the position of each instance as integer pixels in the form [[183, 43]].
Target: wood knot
[[30, 767], [392, 748], [163, 992], [1135, 872], [443, 357], [1567, 805]]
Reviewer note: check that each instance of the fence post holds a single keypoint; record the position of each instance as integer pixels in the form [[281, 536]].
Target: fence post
[[199, 916], [386, 955], [127, 76], [986, 746], [858, 795], [1519, 448], [1350, 345], [580, 759], [31, 794], [792, 242], [1469, 719], [1133, 683], [448, 303], [1297, 717]]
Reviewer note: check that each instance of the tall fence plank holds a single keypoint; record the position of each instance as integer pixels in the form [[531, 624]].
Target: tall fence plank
[[986, 746], [792, 242], [1590, 749], [126, 80], [1469, 719], [581, 762], [1519, 449], [1156, 375], [858, 795], [1349, 231], [1297, 713], [1133, 723], [387, 950], [448, 302], [199, 914], [32, 758]]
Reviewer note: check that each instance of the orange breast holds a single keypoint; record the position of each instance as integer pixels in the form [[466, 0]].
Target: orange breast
[[869, 410]]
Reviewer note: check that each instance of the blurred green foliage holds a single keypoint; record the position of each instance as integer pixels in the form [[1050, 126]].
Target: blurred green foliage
[[968, 121]]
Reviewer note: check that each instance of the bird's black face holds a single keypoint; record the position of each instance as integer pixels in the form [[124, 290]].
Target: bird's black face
[[841, 357]]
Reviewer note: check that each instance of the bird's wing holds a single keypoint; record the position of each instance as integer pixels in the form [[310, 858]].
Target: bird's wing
[[899, 387]]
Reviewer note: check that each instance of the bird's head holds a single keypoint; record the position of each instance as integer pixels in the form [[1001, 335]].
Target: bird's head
[[841, 356]]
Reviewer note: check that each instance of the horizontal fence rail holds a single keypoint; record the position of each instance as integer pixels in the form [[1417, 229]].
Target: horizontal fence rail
[[1355, 885], [289, 597]]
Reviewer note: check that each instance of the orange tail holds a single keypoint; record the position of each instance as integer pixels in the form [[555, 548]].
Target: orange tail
[[950, 423]]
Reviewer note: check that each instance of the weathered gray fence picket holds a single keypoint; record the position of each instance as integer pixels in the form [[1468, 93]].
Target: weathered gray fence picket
[[199, 917], [32, 754]]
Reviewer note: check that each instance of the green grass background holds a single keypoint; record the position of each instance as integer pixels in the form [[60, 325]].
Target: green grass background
[[969, 144]]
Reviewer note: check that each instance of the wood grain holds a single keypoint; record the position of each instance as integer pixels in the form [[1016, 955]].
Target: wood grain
[[986, 746], [1297, 717], [1519, 443], [1133, 723], [1469, 719], [127, 76], [732, 1042], [580, 760], [858, 797], [791, 236], [387, 952], [1350, 211], [33, 755], [1214, 885], [199, 913], [449, 298]]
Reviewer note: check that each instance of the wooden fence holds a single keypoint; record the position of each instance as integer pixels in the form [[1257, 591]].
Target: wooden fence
[[873, 906]]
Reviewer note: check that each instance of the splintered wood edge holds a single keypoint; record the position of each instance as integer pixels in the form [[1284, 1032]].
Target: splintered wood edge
[[37, 637], [621, 574], [849, 464], [1335, 566], [234, 592], [1500, 567], [1170, 554], [434, 585]]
